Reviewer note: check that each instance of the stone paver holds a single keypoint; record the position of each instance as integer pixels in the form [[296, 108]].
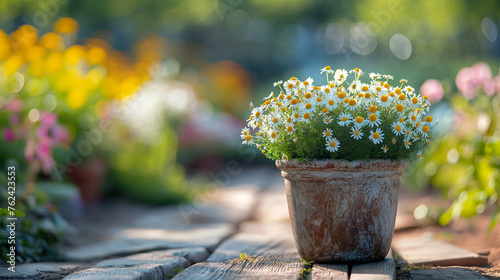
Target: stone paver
[[448, 273], [418, 251], [382, 270]]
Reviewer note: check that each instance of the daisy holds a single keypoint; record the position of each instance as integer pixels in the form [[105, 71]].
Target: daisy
[[353, 104], [327, 133], [403, 81], [388, 77], [248, 140], [385, 149], [356, 134], [277, 83], [275, 120], [284, 157], [415, 101], [409, 90], [340, 76], [327, 120], [359, 122], [373, 119], [398, 128], [290, 129], [419, 156], [327, 69], [355, 86], [244, 132], [376, 136], [344, 119], [407, 143], [384, 100], [257, 113], [307, 108], [375, 76], [273, 136], [332, 144], [306, 117], [414, 117], [394, 141]]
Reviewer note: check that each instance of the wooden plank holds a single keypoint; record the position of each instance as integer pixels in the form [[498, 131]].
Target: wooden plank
[[271, 250], [418, 251], [272, 205], [330, 271], [382, 270]]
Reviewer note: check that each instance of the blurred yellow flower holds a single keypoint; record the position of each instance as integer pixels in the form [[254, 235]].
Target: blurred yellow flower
[[74, 54], [24, 37], [96, 55], [37, 68], [76, 98], [13, 63], [35, 53], [52, 41], [53, 63], [66, 25]]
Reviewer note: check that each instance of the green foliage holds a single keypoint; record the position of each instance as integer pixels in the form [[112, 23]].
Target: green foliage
[[308, 265], [465, 162]]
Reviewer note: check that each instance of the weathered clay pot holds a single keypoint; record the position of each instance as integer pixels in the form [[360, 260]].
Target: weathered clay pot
[[342, 211]]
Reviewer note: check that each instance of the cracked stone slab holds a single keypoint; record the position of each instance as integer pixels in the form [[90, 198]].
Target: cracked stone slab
[[418, 251], [127, 241]]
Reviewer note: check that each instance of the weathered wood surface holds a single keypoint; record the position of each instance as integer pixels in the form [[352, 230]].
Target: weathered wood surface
[[448, 273], [382, 270], [329, 271], [418, 251], [153, 265], [272, 206], [270, 247]]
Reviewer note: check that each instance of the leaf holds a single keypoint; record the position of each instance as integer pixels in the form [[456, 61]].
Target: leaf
[[6, 212], [495, 218]]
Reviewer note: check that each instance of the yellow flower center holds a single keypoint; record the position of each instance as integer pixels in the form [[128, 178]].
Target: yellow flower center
[[273, 135], [344, 119], [290, 85], [327, 133], [332, 144], [425, 97], [359, 120], [425, 129], [392, 94], [308, 106], [356, 132], [346, 100], [278, 104], [289, 129], [428, 119], [408, 132], [376, 135], [267, 102], [318, 99], [378, 89], [373, 117], [407, 143], [373, 109], [368, 95], [307, 95], [393, 140], [414, 100], [341, 76], [398, 128], [296, 115], [327, 90], [275, 120], [294, 101], [399, 107], [384, 98], [306, 83], [352, 102], [341, 94], [248, 138], [397, 91], [417, 124], [413, 118], [257, 114], [324, 110], [331, 102], [387, 86], [327, 120], [289, 97], [306, 115], [401, 120], [419, 156], [402, 97], [281, 96], [364, 88], [328, 68]]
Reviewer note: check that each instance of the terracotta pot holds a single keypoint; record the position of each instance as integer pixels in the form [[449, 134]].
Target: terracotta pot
[[342, 211]]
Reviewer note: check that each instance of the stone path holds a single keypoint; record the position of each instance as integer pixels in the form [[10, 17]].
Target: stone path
[[238, 232]]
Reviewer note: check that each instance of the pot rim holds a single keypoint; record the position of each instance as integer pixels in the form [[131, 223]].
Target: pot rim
[[327, 165]]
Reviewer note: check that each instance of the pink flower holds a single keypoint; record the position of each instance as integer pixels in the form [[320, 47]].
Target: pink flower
[[8, 134], [60, 135], [29, 150], [48, 119], [433, 89], [44, 155], [469, 80], [14, 105]]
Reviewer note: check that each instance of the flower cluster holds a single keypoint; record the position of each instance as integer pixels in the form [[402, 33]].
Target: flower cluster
[[341, 119]]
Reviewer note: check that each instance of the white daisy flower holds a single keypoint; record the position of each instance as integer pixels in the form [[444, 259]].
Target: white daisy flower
[[271, 95], [388, 77], [373, 119], [327, 133], [385, 149], [398, 128], [277, 83], [414, 117], [344, 119], [356, 133], [407, 143], [327, 120], [375, 76], [384, 100], [244, 132], [248, 140], [355, 86], [376, 136], [273, 136], [284, 157], [332, 144], [290, 129], [359, 122], [340, 76], [403, 81], [327, 69], [409, 89], [419, 156], [257, 114], [415, 101], [275, 120], [306, 117], [308, 108]]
